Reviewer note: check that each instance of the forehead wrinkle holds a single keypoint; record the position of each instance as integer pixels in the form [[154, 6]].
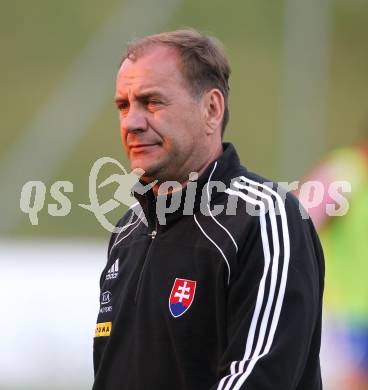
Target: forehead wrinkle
[[148, 86], [139, 91]]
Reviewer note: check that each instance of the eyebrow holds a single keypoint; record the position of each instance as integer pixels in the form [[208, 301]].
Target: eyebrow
[[140, 97]]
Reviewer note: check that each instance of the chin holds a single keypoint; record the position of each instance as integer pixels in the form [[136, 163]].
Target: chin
[[142, 164]]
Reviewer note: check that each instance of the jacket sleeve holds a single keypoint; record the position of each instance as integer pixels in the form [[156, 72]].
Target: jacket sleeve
[[274, 306]]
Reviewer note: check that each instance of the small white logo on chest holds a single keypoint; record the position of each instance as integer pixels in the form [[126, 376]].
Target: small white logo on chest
[[113, 271]]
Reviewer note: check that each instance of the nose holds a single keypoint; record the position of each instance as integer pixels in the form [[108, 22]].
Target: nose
[[134, 120]]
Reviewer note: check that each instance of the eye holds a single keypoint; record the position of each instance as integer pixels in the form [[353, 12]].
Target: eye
[[153, 104], [123, 106]]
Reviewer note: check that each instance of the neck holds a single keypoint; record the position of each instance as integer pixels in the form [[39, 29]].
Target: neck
[[216, 153]]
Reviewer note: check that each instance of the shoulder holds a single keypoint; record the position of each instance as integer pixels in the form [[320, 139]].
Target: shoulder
[[265, 196], [268, 205], [273, 225]]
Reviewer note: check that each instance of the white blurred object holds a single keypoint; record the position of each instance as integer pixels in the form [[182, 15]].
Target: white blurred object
[[50, 298], [336, 360]]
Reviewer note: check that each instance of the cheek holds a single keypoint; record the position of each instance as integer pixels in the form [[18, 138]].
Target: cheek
[[192, 127], [123, 138]]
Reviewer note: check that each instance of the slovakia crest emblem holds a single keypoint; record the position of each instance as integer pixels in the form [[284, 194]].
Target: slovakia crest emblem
[[181, 297]]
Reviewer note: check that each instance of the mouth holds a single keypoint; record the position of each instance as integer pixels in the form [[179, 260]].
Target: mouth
[[141, 147]]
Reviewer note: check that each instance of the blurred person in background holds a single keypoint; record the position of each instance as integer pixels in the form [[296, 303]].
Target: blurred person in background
[[204, 298], [345, 244]]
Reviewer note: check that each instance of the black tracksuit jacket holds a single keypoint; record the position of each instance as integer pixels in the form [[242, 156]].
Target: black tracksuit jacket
[[221, 299]]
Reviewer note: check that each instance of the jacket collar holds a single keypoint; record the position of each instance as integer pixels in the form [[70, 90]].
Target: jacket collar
[[188, 200]]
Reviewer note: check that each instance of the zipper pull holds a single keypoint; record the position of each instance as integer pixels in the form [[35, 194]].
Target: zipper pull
[[153, 234]]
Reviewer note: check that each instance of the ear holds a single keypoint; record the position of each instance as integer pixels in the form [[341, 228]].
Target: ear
[[214, 106]]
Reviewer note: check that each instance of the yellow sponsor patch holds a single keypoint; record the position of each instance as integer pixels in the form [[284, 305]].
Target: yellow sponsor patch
[[103, 329]]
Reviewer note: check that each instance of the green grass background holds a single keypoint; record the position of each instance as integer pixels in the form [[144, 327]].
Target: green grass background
[[41, 39]]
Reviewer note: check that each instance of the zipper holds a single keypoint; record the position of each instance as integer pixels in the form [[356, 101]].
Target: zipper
[[153, 234], [146, 259]]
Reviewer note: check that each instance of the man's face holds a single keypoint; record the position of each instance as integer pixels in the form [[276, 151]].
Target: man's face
[[162, 124]]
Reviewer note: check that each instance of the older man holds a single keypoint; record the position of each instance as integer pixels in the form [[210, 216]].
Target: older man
[[214, 280]]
